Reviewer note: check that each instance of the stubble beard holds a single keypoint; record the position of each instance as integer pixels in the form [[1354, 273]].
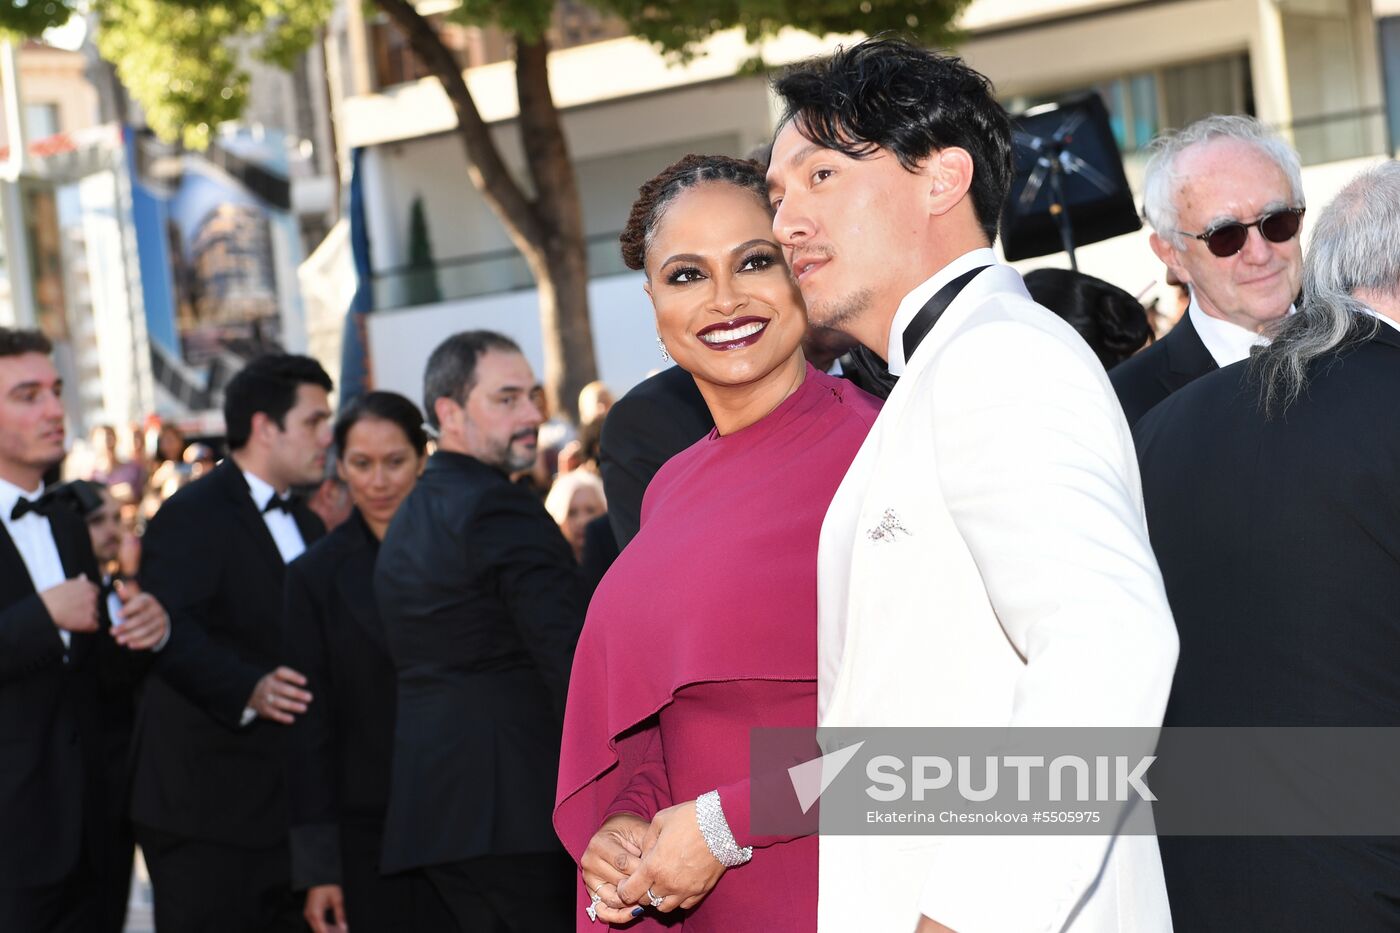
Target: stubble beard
[[841, 313], [508, 460]]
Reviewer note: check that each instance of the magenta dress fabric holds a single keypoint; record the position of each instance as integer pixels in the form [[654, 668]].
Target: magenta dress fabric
[[703, 629]]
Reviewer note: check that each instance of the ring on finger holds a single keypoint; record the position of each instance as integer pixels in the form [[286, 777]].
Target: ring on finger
[[655, 901]]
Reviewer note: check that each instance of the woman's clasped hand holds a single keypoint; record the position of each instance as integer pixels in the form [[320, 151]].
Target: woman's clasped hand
[[631, 864]]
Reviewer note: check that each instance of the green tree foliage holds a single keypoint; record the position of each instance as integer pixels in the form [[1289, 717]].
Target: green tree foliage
[[180, 58], [678, 27], [32, 17]]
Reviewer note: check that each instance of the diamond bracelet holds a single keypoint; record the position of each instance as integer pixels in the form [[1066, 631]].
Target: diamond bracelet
[[715, 828]]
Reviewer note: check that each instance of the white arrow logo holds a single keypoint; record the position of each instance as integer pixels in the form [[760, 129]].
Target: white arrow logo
[[811, 778]]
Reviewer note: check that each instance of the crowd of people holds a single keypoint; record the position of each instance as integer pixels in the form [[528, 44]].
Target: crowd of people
[[415, 669]]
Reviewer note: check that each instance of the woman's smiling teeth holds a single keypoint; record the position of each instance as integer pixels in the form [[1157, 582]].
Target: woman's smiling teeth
[[733, 333]]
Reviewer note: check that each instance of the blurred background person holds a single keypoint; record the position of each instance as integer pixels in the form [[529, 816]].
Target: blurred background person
[[118, 553], [108, 466], [209, 792], [1112, 322], [340, 751], [482, 604], [575, 499], [594, 402], [200, 459], [330, 499]]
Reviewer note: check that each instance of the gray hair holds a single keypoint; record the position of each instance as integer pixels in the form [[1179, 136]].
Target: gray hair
[[1162, 180], [451, 370], [1355, 246]]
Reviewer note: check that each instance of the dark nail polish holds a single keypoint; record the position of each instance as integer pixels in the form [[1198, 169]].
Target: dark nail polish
[[637, 911]]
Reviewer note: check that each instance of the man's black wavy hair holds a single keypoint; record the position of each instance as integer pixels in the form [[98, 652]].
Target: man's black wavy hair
[[888, 93]]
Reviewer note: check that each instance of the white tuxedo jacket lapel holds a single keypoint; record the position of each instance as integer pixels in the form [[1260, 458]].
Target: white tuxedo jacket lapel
[[985, 563]]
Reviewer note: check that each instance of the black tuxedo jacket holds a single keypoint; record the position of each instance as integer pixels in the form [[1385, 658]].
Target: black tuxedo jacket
[[1279, 543], [51, 737], [661, 416], [1145, 378], [209, 558], [482, 604], [340, 750]]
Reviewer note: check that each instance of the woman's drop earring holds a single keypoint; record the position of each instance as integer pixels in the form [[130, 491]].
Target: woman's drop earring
[[662, 344]]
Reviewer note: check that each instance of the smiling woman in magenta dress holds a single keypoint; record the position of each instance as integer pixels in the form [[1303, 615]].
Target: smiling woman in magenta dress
[[705, 627]]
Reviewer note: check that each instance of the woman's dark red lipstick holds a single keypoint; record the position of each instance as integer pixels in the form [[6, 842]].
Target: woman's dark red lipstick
[[747, 330]]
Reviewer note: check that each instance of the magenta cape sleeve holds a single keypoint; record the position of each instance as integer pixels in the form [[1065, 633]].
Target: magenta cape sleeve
[[719, 585]]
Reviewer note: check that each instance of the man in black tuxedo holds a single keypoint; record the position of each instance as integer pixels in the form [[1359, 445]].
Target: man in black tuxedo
[[1225, 199], [209, 800], [482, 606], [1273, 498], [56, 643], [661, 416]]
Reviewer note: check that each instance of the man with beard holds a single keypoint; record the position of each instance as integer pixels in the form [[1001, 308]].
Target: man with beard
[[482, 605]]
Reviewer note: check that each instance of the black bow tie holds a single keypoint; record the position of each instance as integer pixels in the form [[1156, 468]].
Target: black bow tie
[[23, 506], [278, 503]]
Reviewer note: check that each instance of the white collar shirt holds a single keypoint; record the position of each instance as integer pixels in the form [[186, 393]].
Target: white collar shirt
[[914, 302], [33, 538], [1227, 343], [279, 523], [1389, 320]]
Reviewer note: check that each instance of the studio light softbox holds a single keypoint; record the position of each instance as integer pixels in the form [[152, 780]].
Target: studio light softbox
[[1069, 188]]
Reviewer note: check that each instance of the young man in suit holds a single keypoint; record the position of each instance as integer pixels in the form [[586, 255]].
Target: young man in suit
[[985, 562], [482, 606], [56, 643], [209, 800], [1273, 495], [1224, 197]]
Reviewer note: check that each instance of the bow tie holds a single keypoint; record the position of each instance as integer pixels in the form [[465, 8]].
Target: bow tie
[[277, 503], [39, 506]]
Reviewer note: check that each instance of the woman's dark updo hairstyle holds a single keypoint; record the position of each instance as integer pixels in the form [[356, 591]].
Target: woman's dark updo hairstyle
[[654, 197], [385, 406], [1110, 320]]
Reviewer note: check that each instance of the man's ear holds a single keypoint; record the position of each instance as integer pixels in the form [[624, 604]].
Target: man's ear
[[950, 178], [260, 426], [446, 411], [1170, 257]]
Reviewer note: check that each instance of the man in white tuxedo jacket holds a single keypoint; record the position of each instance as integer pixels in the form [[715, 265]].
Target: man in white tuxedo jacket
[[986, 560]]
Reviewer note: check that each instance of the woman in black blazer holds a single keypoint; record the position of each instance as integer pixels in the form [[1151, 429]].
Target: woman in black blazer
[[340, 749]]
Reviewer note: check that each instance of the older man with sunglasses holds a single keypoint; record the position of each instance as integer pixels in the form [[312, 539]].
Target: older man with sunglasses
[[1225, 199]]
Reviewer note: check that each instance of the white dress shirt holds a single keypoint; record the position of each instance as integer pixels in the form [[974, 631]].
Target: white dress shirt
[[1389, 320], [285, 534], [281, 524], [33, 538], [1227, 343], [914, 302]]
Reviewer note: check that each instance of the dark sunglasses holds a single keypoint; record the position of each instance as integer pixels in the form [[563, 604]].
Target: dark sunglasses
[[1229, 238]]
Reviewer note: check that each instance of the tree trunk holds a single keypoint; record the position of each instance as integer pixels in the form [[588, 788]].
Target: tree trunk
[[568, 335], [547, 231]]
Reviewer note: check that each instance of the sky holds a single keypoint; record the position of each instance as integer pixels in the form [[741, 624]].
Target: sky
[[69, 36]]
